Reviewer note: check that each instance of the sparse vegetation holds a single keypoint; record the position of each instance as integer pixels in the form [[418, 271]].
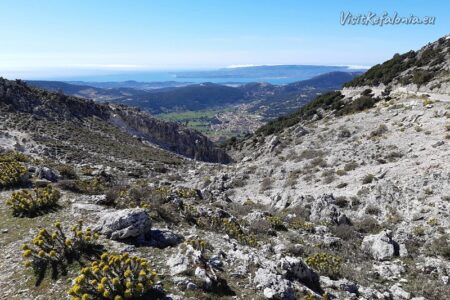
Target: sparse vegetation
[[57, 249], [26, 203], [325, 263], [117, 277], [368, 179]]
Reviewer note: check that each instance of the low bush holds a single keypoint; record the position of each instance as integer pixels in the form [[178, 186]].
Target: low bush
[[300, 224], [28, 204], [92, 186], [325, 264], [276, 223], [11, 173], [59, 248], [230, 227], [368, 179], [13, 156], [115, 277]]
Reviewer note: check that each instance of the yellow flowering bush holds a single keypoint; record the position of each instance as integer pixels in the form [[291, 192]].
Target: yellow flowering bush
[[300, 224], [184, 192], [200, 245], [58, 247], [31, 203], [324, 263], [115, 277], [11, 173], [13, 156], [234, 230], [276, 223]]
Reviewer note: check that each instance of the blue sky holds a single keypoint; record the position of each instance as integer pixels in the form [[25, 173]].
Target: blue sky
[[38, 38]]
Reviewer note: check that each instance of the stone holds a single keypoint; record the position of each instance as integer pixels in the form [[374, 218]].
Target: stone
[[178, 264], [399, 293], [380, 246], [124, 224], [295, 268], [46, 173], [162, 238], [274, 286], [79, 208], [324, 209]]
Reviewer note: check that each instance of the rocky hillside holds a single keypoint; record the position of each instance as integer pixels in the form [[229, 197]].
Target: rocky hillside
[[32, 103], [427, 69], [348, 198]]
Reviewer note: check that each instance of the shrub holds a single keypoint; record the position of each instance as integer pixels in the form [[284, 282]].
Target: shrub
[[266, 184], [341, 172], [276, 223], [372, 210], [367, 225], [421, 77], [67, 172], [26, 203], [11, 173], [440, 246], [300, 224], [115, 277], [379, 131], [13, 156], [357, 105], [59, 248], [350, 166], [368, 179], [93, 186], [233, 229], [326, 264], [184, 192]]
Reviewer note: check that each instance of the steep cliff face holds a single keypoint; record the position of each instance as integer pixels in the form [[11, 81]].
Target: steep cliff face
[[167, 135], [16, 96]]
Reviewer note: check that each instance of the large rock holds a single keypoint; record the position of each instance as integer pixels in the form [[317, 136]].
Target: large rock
[[294, 268], [324, 209], [274, 286], [380, 246], [162, 238], [124, 224], [46, 173]]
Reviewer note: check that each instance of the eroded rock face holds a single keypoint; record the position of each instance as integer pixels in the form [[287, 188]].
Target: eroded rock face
[[124, 224], [324, 209], [46, 173], [162, 238], [381, 246], [274, 286], [295, 268], [169, 136]]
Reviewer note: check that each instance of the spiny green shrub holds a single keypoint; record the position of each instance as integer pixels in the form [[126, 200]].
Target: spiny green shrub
[[276, 223], [26, 203], [199, 244], [11, 173], [184, 192], [300, 224], [92, 186], [325, 263], [230, 227], [59, 248], [115, 277], [13, 156]]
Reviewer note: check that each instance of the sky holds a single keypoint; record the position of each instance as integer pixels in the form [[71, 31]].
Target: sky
[[40, 38]]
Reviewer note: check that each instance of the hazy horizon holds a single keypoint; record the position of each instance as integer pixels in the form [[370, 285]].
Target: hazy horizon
[[70, 39]]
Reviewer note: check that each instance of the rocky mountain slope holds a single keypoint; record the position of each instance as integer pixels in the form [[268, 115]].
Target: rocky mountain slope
[[348, 198], [34, 104]]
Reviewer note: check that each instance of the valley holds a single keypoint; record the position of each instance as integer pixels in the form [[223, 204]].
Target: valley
[[332, 193], [219, 111]]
